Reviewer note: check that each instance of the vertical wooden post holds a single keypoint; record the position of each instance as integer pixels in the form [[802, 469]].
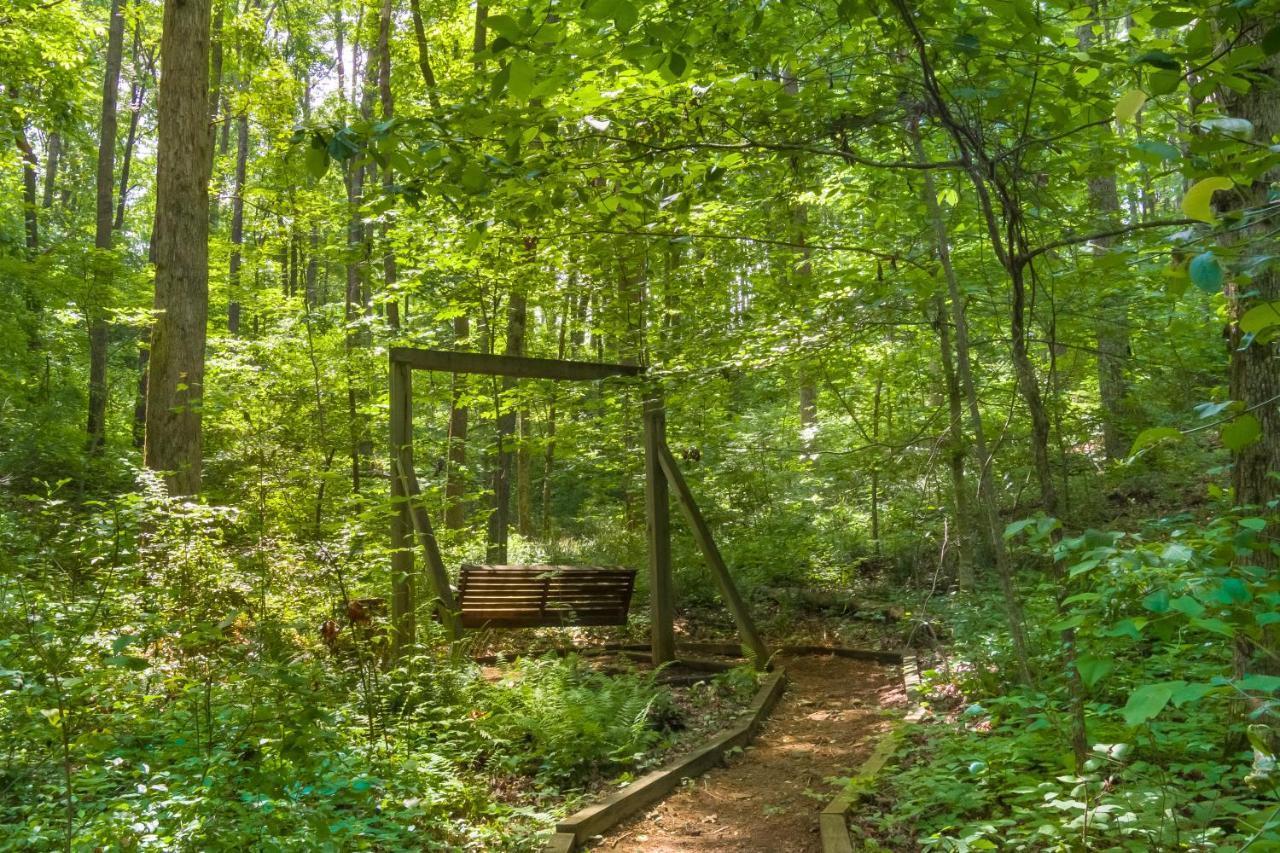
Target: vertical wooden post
[[402, 621], [702, 534], [662, 605], [436, 575]]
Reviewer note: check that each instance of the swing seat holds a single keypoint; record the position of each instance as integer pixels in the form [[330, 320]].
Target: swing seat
[[543, 596]]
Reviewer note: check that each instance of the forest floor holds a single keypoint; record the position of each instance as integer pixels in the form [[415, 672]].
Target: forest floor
[[769, 796]]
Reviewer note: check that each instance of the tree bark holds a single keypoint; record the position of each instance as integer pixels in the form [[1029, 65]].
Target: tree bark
[[95, 427], [962, 513], [137, 95], [30, 164], [176, 372], [988, 507], [387, 102], [237, 223], [52, 160]]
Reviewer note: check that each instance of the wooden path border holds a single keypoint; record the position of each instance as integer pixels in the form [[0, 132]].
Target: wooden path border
[[653, 786], [833, 823]]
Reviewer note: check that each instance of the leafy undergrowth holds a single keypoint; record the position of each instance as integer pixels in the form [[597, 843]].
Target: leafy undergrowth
[[161, 687], [1179, 739]]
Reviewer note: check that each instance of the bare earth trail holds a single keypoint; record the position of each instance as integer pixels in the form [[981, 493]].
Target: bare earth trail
[[768, 798]]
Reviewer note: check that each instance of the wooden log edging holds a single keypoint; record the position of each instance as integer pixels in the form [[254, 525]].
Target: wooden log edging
[[833, 823], [653, 786]]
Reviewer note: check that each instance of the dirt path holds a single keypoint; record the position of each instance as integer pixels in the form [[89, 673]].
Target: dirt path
[[768, 798]]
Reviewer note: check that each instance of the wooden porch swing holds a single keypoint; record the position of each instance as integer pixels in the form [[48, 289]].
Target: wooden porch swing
[[529, 596]]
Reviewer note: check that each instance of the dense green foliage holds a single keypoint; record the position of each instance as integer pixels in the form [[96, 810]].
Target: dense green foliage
[[970, 305]]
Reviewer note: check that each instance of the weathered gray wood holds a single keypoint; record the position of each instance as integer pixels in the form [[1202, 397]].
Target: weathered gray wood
[[655, 785], [421, 521], [835, 833], [662, 599], [517, 367], [543, 596], [702, 535], [401, 403]]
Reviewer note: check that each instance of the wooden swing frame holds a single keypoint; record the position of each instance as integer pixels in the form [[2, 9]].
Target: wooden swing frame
[[661, 475]]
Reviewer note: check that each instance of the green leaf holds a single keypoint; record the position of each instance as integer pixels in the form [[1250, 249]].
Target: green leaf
[[1128, 105], [1260, 683], [1093, 669], [1159, 59], [625, 16], [677, 64], [317, 162], [1236, 128], [1152, 436], [1187, 606], [1206, 272], [1197, 203], [1254, 523], [1215, 626], [1146, 702], [519, 79], [1158, 150], [1261, 317], [1185, 693], [1271, 41], [1241, 432], [1157, 602], [1232, 591]]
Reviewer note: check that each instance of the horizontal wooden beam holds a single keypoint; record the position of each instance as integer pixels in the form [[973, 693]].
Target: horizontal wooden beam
[[517, 367]]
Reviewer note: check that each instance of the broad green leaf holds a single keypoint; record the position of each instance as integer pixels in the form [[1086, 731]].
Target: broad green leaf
[[1206, 272], [1253, 523], [1152, 436], [1146, 702], [1184, 693], [625, 16], [1157, 602], [1187, 606], [1259, 682], [317, 161], [1236, 128], [519, 79], [1093, 669], [1160, 59], [1215, 626], [1261, 317], [1128, 105], [1241, 432], [1157, 150], [1197, 203]]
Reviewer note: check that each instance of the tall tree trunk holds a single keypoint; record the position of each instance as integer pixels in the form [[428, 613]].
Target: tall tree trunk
[[137, 95], [30, 201], [424, 54], [499, 519], [549, 451], [1113, 309], [52, 160], [217, 115], [176, 372], [962, 513], [237, 222], [387, 102], [988, 506], [104, 187], [1255, 368], [455, 485]]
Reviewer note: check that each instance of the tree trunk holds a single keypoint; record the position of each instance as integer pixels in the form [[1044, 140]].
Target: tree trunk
[[30, 164], [499, 519], [424, 54], [176, 372], [988, 507], [52, 161], [962, 513], [137, 95], [237, 223], [387, 102], [95, 427], [455, 486]]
